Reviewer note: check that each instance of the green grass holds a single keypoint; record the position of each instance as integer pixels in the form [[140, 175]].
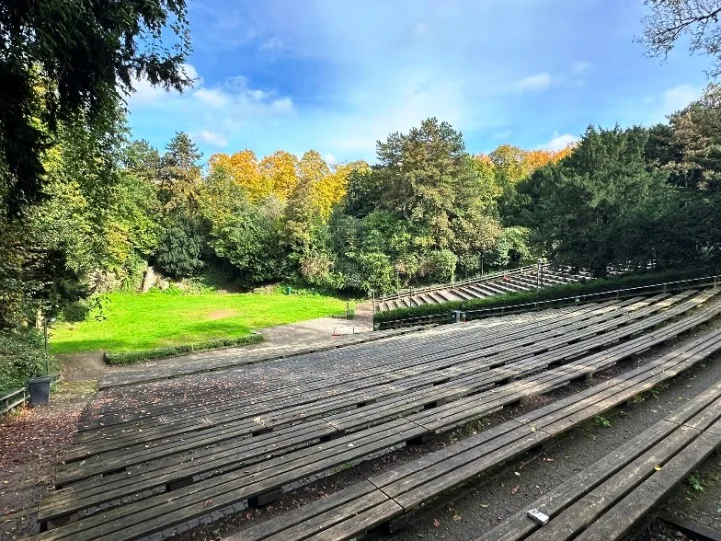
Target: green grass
[[135, 322]]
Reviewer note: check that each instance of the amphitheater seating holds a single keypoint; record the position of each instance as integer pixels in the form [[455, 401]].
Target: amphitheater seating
[[353, 511], [497, 284], [615, 497], [152, 470]]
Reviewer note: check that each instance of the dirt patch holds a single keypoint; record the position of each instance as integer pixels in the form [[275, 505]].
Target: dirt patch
[[220, 314], [83, 366], [32, 441]]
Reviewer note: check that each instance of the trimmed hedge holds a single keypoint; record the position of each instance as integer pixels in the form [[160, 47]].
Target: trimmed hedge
[[131, 357], [584, 287]]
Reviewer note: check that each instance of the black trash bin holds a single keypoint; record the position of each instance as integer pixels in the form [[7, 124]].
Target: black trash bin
[[39, 390]]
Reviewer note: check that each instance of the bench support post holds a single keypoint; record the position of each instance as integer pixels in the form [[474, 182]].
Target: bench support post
[[266, 498]]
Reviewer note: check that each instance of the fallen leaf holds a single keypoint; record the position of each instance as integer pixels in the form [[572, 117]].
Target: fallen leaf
[[456, 517], [436, 523], [484, 505], [515, 489], [658, 468]]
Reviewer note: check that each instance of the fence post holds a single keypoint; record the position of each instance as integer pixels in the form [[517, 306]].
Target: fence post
[[664, 289], [617, 294], [502, 309]]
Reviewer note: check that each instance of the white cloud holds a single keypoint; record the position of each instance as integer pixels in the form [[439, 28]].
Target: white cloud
[[212, 138], [191, 73], [212, 96], [330, 159], [211, 114], [145, 93], [581, 67], [403, 101], [678, 97], [659, 106], [559, 142], [534, 83]]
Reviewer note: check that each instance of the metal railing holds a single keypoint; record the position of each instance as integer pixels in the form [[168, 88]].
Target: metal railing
[[17, 398], [469, 315]]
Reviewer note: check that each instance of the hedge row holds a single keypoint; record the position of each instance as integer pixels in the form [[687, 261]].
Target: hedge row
[[158, 353], [585, 287]]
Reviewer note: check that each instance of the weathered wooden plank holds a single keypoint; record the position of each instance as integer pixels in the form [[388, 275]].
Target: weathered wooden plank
[[519, 525], [293, 518], [361, 523], [592, 506], [622, 518]]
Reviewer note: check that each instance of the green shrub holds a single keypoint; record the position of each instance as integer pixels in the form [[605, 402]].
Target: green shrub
[[178, 253], [545, 294], [158, 353], [75, 311], [439, 266], [22, 355]]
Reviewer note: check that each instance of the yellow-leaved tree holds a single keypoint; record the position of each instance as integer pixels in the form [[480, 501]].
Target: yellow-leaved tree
[[280, 173], [244, 169], [334, 186]]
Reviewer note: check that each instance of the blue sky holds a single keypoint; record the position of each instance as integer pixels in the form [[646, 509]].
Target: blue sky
[[337, 75]]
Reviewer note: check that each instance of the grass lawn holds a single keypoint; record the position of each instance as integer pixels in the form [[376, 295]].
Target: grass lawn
[[143, 321]]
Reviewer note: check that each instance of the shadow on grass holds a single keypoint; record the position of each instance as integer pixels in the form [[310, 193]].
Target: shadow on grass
[[81, 346]]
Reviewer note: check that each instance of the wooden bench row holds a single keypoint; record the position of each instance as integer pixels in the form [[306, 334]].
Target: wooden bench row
[[120, 407], [237, 454], [367, 359], [206, 362], [615, 497], [119, 437], [354, 511], [391, 400], [480, 289], [258, 480]]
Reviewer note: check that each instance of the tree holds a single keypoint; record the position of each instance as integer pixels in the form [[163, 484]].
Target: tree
[[302, 215], [243, 168], [419, 171], [280, 173], [179, 252], [179, 175], [581, 207], [87, 58], [696, 129], [334, 185], [671, 19], [251, 242], [142, 160], [426, 210]]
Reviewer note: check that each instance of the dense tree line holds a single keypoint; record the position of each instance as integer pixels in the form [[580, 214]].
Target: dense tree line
[[632, 196], [85, 208], [427, 211]]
